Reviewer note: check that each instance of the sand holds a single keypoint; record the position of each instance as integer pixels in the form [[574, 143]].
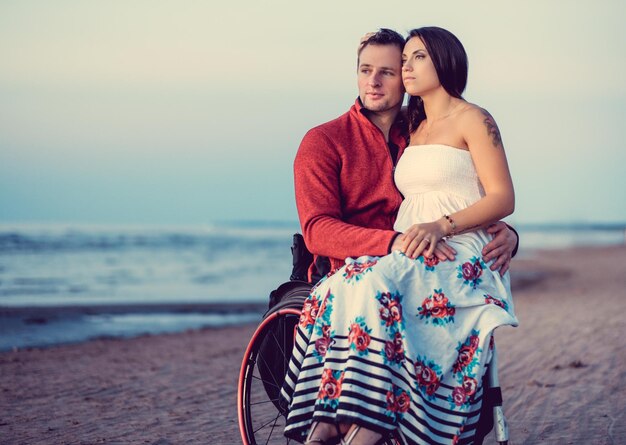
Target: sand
[[562, 371]]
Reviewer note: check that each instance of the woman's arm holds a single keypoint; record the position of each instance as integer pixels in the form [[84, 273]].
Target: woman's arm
[[482, 136]]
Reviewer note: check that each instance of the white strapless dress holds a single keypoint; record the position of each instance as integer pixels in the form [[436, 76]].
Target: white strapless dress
[[392, 342], [437, 180]]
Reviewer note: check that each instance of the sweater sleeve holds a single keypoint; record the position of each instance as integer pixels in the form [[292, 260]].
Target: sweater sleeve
[[317, 170], [517, 243]]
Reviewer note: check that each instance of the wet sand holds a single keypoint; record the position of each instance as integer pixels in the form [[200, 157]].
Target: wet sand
[[561, 371]]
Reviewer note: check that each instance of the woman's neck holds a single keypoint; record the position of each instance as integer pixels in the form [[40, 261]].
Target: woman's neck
[[439, 104]]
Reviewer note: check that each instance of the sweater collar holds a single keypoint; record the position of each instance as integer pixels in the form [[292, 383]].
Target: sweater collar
[[399, 132]]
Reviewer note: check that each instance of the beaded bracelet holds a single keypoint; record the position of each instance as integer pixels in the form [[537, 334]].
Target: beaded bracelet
[[452, 223]]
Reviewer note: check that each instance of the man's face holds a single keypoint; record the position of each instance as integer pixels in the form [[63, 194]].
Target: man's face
[[380, 77]]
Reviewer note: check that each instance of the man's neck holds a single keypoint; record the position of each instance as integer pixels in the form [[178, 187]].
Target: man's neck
[[384, 119]]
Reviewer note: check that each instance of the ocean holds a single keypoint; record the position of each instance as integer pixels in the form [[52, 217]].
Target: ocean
[[69, 283]]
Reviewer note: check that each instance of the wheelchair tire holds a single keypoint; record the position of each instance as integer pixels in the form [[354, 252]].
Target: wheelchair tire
[[261, 415], [264, 366]]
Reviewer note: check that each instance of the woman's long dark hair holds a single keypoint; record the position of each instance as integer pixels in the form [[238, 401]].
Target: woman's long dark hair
[[450, 61]]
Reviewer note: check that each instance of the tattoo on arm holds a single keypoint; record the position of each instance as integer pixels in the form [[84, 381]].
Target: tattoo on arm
[[492, 129]]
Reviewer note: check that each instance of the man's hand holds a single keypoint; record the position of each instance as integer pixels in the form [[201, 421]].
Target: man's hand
[[444, 252], [397, 243], [500, 248]]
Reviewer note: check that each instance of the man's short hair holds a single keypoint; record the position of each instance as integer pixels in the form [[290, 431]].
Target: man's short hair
[[383, 36]]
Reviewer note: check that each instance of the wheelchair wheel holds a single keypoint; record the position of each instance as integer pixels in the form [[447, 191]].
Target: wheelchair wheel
[[261, 413]]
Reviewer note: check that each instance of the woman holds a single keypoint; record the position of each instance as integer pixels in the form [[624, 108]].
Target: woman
[[403, 341]]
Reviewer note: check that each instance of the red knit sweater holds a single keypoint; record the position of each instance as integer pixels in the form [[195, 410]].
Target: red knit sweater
[[345, 193]]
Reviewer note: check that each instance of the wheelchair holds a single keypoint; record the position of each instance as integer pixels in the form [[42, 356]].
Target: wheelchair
[[261, 411]]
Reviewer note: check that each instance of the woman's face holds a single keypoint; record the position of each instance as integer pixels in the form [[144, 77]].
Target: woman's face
[[418, 72]]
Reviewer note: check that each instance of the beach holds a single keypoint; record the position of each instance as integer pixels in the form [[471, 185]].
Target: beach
[[561, 370]]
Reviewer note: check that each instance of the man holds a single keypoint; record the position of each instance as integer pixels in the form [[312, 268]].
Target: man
[[345, 193]]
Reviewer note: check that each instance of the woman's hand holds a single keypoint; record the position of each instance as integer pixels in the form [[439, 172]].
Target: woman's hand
[[423, 238], [443, 251], [364, 39]]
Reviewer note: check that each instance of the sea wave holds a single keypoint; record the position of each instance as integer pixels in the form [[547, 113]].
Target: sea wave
[[63, 238]]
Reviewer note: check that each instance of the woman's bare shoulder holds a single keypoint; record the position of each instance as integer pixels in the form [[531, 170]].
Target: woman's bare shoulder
[[474, 119], [471, 113]]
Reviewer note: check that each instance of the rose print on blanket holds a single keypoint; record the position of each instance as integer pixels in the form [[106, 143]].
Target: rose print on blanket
[[427, 376], [354, 271], [398, 402], [462, 395], [330, 388], [467, 356], [437, 309], [430, 263], [390, 311], [471, 271], [393, 352], [309, 312], [463, 370], [493, 300], [323, 344], [323, 328], [359, 336]]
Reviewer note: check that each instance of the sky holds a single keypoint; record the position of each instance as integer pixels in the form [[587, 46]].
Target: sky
[[191, 112]]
